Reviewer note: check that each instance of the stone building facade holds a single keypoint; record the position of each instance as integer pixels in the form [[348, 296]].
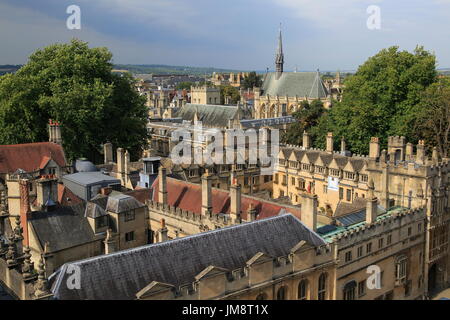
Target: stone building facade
[[401, 178]]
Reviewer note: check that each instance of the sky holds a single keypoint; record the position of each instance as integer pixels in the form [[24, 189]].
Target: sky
[[232, 34]]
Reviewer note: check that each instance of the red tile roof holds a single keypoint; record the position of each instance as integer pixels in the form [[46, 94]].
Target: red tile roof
[[67, 197], [30, 156], [188, 196], [140, 194]]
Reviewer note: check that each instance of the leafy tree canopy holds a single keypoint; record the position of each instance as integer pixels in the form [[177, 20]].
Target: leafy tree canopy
[[382, 98], [72, 84], [229, 91], [252, 80]]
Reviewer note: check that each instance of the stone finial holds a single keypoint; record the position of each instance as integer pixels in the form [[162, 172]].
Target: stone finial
[[28, 265], [18, 230], [41, 285], [11, 254]]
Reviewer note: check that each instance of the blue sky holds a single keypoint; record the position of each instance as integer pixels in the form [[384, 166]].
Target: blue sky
[[236, 34]]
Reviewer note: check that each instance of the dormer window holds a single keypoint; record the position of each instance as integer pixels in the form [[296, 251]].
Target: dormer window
[[101, 222], [349, 175]]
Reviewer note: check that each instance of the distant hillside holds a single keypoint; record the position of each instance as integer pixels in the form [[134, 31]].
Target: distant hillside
[[7, 68], [165, 69]]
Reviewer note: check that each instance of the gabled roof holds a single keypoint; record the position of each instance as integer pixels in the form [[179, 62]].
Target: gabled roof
[[177, 262], [121, 203], [30, 156], [211, 115], [188, 196], [291, 84]]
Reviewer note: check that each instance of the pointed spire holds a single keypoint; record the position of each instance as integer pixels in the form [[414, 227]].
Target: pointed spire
[[279, 59]]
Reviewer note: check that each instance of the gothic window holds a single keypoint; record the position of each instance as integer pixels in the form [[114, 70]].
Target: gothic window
[[303, 289], [322, 289], [349, 290], [261, 296], [282, 293], [400, 268]]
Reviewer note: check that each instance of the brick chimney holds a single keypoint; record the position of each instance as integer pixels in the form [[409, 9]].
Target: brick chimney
[[105, 191], [162, 185], [309, 210], [120, 162], [25, 211], [206, 193]]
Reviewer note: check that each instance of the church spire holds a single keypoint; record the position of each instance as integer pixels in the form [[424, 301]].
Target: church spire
[[279, 59]]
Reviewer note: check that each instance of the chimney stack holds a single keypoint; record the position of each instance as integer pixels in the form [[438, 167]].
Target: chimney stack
[[120, 162], [435, 156], [25, 211], [206, 194], [46, 188], [108, 152], [371, 205], [343, 145], [409, 151], [374, 148], [110, 243], [420, 153], [306, 140], [251, 213], [54, 132], [163, 231], [162, 184], [235, 199], [330, 142], [309, 210]]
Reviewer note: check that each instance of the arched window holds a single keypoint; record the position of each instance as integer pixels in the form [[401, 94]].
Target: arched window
[[261, 296], [349, 290], [282, 293], [322, 290], [303, 290]]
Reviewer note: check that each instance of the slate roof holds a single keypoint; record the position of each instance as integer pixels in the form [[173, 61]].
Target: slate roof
[[122, 203], [93, 210], [30, 156], [210, 115], [63, 228], [88, 178], [122, 274], [188, 196], [291, 84]]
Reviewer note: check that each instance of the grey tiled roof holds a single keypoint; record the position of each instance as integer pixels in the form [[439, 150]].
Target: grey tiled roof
[[121, 203], [94, 210], [63, 228], [291, 84], [122, 274], [210, 115]]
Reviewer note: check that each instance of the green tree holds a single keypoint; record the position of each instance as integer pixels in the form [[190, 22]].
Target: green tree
[[433, 120], [252, 80], [185, 85], [229, 91], [383, 97], [72, 84], [307, 116]]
